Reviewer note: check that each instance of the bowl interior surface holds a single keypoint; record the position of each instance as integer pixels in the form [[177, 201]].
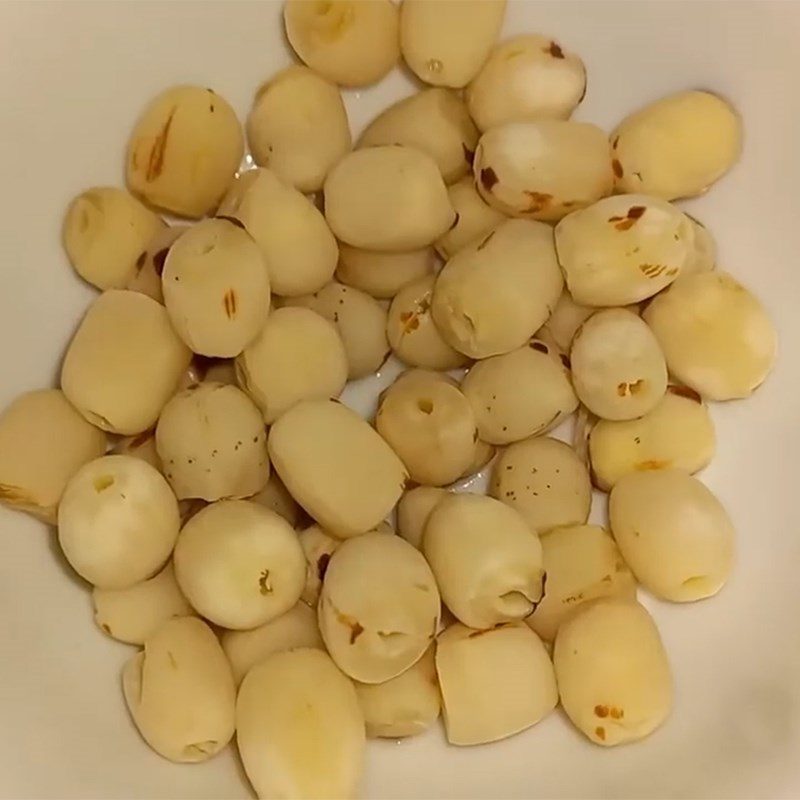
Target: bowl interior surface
[[73, 77]]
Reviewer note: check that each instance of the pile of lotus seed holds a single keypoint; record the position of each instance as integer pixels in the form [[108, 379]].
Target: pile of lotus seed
[[232, 516]]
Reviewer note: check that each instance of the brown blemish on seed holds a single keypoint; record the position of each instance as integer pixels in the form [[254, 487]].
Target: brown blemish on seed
[[615, 143], [538, 201], [264, 586], [555, 50], [652, 270], [410, 321], [159, 260], [617, 167], [634, 387], [629, 220], [684, 391], [229, 303], [600, 733], [651, 464], [617, 713], [355, 631], [488, 178], [106, 628], [155, 163], [601, 711]]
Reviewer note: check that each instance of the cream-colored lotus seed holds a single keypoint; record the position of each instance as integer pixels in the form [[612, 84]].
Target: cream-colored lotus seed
[[299, 249], [677, 146], [429, 423], [105, 231], [582, 563], [360, 321], [618, 368], [413, 511], [349, 42], [435, 121], [44, 441], [276, 497], [566, 318], [403, 706], [519, 394], [184, 150], [180, 691], [150, 262], [494, 683], [117, 521], [545, 481], [383, 275], [336, 466], [673, 532], [387, 198], [716, 335], [678, 432], [216, 288], [123, 363], [493, 295], [297, 627], [613, 675], [298, 127], [379, 607], [446, 42], [412, 333], [623, 249], [135, 613], [543, 170], [298, 356], [474, 218], [318, 547], [299, 727], [526, 78], [239, 564], [704, 253], [487, 563], [212, 443]]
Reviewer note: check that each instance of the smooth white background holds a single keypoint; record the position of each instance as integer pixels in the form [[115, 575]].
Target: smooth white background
[[73, 76]]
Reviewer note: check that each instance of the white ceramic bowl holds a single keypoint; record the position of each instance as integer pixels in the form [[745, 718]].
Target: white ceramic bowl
[[73, 76]]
